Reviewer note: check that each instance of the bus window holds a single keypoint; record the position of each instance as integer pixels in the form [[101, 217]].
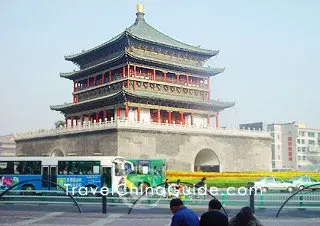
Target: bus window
[[6, 167], [78, 167], [143, 167], [21, 167], [27, 167], [156, 171], [119, 169]]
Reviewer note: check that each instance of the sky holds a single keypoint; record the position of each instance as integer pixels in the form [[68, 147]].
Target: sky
[[269, 49]]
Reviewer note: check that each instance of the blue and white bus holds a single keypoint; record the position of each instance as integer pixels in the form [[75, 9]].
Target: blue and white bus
[[76, 171]]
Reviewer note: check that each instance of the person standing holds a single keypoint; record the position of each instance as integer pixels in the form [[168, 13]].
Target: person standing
[[214, 216], [182, 216]]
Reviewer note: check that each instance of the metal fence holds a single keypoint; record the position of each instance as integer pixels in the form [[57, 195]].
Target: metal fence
[[307, 199]]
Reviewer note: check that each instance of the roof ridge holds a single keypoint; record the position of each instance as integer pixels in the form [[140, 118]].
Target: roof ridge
[[193, 48], [115, 38]]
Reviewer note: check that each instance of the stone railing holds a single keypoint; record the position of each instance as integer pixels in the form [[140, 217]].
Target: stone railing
[[125, 124]]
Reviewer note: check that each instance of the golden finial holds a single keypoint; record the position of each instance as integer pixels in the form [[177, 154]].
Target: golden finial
[[140, 8]]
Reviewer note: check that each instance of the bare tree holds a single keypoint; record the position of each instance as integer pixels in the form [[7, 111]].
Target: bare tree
[[59, 123]]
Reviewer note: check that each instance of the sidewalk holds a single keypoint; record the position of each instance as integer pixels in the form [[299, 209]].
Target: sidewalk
[[96, 219]]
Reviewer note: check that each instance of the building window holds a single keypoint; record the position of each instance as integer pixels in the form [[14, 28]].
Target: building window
[[304, 157], [299, 148], [278, 137], [290, 143], [303, 149], [278, 147], [303, 142], [311, 142], [310, 134], [298, 141], [299, 157], [289, 138]]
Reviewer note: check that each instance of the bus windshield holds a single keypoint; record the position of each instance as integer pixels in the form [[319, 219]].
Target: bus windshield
[[119, 167]]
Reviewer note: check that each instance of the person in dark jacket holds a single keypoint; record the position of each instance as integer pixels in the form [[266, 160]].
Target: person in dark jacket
[[182, 215], [201, 183], [214, 216], [245, 218]]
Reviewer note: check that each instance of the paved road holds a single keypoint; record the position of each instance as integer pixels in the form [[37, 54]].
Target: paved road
[[53, 215], [60, 218]]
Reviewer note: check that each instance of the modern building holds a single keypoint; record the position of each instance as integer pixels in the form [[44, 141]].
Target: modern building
[[143, 94], [295, 146], [252, 126], [7, 145]]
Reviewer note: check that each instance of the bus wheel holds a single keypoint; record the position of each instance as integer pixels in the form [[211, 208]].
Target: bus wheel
[[27, 188], [143, 186]]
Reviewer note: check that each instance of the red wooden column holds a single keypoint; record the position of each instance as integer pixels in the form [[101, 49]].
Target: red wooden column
[[170, 117], [165, 76], [191, 117], [88, 82], [128, 74], [154, 74], [104, 115], [77, 120], [217, 120], [209, 89], [135, 74], [110, 76], [74, 86], [97, 117], [126, 111], [178, 78], [187, 79], [66, 121], [71, 121], [94, 80], [158, 115], [138, 113], [208, 120], [118, 112], [181, 118], [102, 78], [82, 120]]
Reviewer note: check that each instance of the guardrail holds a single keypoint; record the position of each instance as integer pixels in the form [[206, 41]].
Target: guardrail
[[268, 200], [126, 124]]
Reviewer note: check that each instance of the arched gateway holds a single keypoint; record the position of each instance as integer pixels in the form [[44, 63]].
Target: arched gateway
[[57, 153], [207, 161]]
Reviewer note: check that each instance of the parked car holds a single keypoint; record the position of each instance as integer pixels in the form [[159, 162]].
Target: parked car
[[272, 183], [301, 182]]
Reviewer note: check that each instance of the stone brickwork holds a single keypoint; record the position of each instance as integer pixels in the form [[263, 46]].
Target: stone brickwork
[[180, 150], [230, 149]]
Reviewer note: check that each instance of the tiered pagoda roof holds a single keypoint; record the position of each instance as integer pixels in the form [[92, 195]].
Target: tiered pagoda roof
[[127, 95], [145, 45], [145, 34]]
